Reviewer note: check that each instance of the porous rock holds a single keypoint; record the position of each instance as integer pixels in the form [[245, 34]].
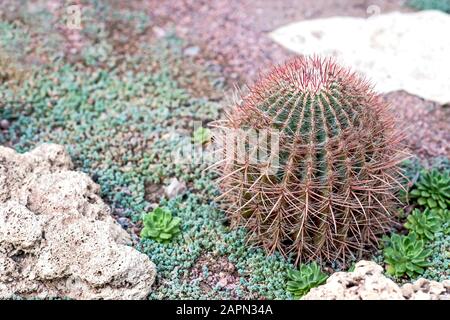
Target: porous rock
[[175, 188], [367, 282], [57, 236]]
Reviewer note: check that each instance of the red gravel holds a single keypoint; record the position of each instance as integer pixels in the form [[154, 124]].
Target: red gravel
[[235, 31], [426, 124]]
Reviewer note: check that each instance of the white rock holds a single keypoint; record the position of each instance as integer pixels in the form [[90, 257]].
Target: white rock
[[222, 282], [192, 51], [175, 188], [397, 51], [367, 282], [57, 237], [423, 289]]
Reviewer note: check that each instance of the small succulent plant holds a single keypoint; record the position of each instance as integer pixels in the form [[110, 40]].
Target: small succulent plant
[[444, 216], [433, 189], [405, 255], [424, 224], [202, 135], [160, 225], [307, 277]]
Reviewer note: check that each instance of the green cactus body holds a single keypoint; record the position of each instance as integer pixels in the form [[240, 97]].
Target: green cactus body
[[333, 188]]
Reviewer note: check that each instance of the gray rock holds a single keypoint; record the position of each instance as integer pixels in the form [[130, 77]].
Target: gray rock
[[124, 222]]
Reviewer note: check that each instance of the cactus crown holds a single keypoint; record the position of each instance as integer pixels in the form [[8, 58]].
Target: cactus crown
[[333, 187]]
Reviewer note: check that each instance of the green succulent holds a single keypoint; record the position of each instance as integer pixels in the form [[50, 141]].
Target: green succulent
[[444, 216], [433, 189], [307, 277], [160, 225], [425, 224], [202, 135], [405, 254]]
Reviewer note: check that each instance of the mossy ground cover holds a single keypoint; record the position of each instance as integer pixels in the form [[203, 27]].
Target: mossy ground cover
[[121, 106]]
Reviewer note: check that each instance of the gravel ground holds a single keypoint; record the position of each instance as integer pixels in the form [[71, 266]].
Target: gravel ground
[[217, 272], [426, 124], [235, 31]]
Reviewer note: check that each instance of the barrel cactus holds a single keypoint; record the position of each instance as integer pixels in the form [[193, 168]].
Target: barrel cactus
[[333, 188]]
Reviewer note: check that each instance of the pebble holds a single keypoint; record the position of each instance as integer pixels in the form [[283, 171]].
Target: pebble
[[150, 206], [222, 282], [192, 51], [175, 188], [135, 239], [159, 32], [408, 290], [4, 124], [124, 222]]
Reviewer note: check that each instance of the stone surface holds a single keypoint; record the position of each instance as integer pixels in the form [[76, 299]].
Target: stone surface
[[367, 282], [57, 237], [4, 124], [175, 188], [397, 51], [423, 289]]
